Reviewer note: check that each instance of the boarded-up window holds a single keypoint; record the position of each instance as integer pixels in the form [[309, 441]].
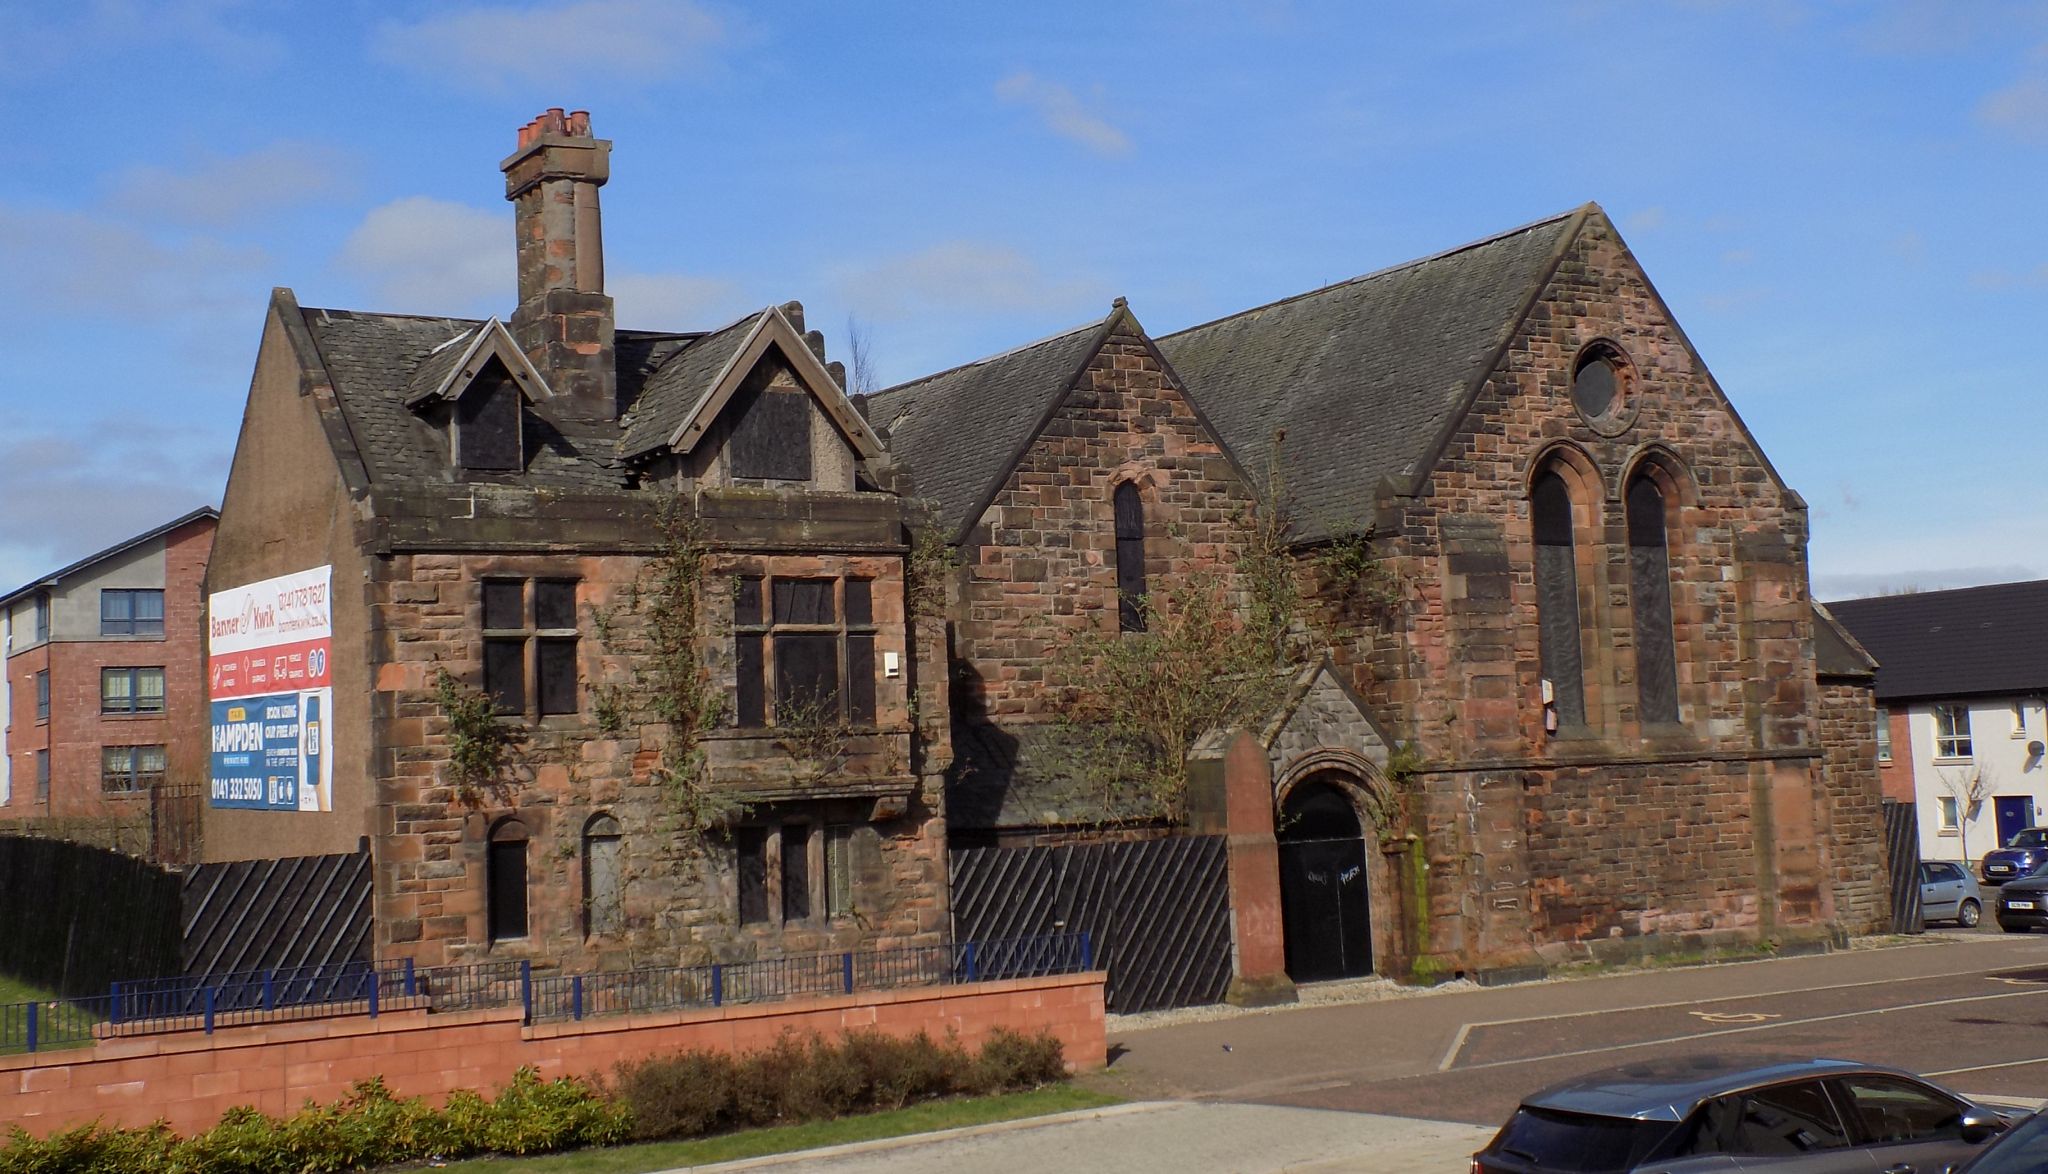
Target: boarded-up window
[[811, 650], [796, 871], [487, 422], [1130, 558], [750, 851], [1649, 581], [603, 877], [771, 436], [838, 871], [1557, 597], [505, 868]]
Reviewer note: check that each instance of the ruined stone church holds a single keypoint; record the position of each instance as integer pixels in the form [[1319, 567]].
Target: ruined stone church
[[755, 654]]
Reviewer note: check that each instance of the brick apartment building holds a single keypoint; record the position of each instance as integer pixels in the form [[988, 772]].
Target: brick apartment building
[[105, 694], [1594, 710]]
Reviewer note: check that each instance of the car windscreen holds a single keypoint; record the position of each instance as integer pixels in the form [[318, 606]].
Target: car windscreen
[[2031, 838], [1577, 1143]]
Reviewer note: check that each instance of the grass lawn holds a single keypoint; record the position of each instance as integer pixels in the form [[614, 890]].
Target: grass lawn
[[62, 1027], [933, 1115]]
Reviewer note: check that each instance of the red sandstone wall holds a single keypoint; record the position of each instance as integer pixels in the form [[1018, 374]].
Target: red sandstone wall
[[190, 1078]]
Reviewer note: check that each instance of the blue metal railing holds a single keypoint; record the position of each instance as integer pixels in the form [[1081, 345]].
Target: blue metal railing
[[362, 988]]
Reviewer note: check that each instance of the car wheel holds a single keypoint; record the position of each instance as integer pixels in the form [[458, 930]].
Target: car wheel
[[1969, 914]]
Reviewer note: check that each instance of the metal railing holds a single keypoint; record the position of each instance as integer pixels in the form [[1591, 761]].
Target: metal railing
[[362, 988]]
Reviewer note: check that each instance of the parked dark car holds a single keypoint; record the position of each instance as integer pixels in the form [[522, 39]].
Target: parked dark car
[[2022, 855], [1718, 1113], [2023, 1150], [1949, 893], [2023, 904]]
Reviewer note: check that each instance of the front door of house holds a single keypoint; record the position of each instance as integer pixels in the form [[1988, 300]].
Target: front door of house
[[1322, 885], [2015, 813]]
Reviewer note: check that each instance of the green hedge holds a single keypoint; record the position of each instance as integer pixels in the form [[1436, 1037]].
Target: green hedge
[[689, 1094], [369, 1127]]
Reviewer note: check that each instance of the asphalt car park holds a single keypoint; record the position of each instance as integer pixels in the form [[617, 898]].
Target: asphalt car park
[[1969, 1011]]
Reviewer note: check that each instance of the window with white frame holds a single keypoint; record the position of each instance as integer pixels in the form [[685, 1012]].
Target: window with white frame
[[1952, 731], [2019, 719], [1949, 812], [1884, 735]]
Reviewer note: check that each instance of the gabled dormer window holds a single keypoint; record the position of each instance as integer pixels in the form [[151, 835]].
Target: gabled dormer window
[[771, 435], [487, 436]]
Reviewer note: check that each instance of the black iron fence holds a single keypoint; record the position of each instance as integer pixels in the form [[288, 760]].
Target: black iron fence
[[361, 988]]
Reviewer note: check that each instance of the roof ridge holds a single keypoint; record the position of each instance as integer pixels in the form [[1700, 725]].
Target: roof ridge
[[1916, 596], [338, 310], [1494, 238], [874, 395]]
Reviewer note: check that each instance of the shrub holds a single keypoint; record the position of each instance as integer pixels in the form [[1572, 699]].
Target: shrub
[[368, 1127], [691, 1094], [1013, 1060]]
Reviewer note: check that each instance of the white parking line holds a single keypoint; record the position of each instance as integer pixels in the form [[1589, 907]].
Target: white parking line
[[1458, 1040], [1679, 1039]]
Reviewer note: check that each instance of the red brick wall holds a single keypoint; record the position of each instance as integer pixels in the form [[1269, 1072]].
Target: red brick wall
[[77, 730], [190, 1078], [1895, 776]]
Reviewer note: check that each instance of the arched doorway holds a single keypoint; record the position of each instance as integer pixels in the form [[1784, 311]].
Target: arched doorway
[[1322, 885]]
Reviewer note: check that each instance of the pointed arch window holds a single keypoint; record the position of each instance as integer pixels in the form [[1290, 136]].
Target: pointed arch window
[[1649, 583], [1557, 597], [1130, 558]]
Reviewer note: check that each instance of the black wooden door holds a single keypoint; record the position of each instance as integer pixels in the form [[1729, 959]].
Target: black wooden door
[[1322, 886]]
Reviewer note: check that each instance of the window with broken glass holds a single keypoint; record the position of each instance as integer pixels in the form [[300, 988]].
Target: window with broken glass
[[804, 651], [530, 646]]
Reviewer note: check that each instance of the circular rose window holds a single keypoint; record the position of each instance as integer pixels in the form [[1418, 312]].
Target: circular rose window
[[1600, 389]]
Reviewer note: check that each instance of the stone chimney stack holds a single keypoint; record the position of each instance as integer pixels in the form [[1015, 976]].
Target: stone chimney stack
[[564, 320]]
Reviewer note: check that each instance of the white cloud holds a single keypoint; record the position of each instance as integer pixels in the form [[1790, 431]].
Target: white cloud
[[1648, 220], [104, 268], [1063, 112], [427, 256], [89, 496], [491, 48], [228, 189], [46, 38], [2020, 110], [957, 275], [1856, 584]]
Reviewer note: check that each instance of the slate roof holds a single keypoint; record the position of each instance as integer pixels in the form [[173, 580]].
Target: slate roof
[[1023, 776], [1365, 375], [1836, 653], [673, 392], [961, 429], [1975, 641], [377, 360]]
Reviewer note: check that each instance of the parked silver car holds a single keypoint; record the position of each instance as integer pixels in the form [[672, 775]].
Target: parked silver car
[[1948, 892], [1725, 1113]]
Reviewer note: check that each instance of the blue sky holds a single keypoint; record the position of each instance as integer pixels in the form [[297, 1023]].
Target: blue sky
[[1842, 203]]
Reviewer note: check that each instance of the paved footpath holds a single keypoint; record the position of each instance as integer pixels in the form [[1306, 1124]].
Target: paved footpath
[[1160, 1137], [1424, 1078]]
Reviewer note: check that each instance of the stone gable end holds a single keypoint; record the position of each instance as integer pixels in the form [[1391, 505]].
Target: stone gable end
[[1041, 560]]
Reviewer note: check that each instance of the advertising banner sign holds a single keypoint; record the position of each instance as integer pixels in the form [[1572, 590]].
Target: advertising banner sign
[[267, 647]]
